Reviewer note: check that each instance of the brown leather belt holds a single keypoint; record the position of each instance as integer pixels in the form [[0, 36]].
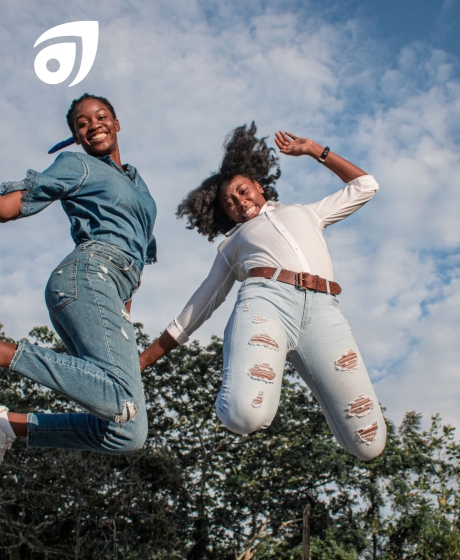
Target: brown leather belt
[[302, 280]]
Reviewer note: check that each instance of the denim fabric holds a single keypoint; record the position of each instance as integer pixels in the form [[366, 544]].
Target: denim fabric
[[103, 202], [272, 321], [86, 297]]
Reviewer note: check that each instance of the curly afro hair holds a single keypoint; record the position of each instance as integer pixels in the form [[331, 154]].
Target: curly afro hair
[[71, 112], [244, 155]]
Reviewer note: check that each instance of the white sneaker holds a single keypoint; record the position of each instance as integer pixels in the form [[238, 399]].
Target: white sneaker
[[5, 440]]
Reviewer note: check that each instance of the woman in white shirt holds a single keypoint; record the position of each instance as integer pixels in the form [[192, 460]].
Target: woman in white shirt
[[287, 305]]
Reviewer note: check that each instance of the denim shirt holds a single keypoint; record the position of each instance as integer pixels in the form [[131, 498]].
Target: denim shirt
[[103, 202]]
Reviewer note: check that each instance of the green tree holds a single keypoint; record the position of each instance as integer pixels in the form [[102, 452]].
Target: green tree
[[71, 504], [424, 522], [196, 491]]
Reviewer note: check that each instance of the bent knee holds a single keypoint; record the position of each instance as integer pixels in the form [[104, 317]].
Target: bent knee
[[242, 420], [243, 426], [369, 453], [369, 443], [130, 435]]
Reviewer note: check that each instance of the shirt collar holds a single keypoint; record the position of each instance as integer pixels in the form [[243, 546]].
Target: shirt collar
[[267, 208], [127, 169]]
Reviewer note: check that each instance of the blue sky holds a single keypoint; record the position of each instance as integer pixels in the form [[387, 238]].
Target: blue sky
[[376, 81]]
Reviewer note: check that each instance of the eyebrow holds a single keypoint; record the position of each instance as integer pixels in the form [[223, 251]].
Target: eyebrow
[[96, 111]]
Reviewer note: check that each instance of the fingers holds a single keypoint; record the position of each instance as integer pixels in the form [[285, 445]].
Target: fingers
[[282, 141], [279, 137], [282, 135], [285, 138], [278, 140]]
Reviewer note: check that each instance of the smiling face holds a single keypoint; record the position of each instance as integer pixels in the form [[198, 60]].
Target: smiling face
[[96, 129], [241, 199]]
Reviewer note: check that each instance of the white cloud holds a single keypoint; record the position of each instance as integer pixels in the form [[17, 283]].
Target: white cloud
[[427, 380]]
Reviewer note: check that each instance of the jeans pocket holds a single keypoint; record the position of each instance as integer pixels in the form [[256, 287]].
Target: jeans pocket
[[116, 260], [335, 302], [255, 280], [247, 287], [61, 289]]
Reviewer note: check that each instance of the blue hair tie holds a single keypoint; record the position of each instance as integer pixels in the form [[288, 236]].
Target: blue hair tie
[[62, 145]]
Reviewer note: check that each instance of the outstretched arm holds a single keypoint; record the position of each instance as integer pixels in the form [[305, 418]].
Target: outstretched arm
[[10, 206], [199, 308], [293, 145]]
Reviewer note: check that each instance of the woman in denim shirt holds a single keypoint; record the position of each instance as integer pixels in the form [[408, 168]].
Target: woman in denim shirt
[[88, 294]]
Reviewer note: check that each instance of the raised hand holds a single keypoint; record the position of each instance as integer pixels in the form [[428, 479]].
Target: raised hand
[[292, 145]]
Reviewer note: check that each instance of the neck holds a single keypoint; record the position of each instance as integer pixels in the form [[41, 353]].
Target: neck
[[115, 156]]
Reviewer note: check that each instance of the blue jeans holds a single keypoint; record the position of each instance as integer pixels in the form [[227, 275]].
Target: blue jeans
[[272, 321], [86, 297]]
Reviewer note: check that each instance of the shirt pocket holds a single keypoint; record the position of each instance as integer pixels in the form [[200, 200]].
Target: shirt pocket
[[61, 289]]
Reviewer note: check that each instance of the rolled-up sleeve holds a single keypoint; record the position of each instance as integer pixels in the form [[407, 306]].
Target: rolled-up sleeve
[[341, 204], [204, 301], [64, 176]]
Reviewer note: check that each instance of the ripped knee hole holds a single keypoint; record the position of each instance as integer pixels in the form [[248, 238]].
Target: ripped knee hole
[[128, 414], [258, 400], [361, 406], [262, 372], [347, 362], [264, 339], [369, 433]]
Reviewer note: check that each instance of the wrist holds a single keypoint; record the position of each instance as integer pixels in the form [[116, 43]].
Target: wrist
[[143, 362], [313, 149]]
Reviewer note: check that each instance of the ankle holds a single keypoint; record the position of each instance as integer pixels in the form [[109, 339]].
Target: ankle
[[18, 423]]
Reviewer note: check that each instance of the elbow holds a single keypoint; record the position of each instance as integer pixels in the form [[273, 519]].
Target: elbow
[[10, 206], [7, 217]]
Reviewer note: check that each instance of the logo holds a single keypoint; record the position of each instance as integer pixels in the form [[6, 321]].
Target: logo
[[64, 54]]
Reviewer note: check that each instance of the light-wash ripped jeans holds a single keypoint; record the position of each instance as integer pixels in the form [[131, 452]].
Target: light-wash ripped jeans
[[86, 297], [272, 321]]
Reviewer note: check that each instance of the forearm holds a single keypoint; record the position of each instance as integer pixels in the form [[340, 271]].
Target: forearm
[[204, 301], [343, 168], [10, 206], [159, 348]]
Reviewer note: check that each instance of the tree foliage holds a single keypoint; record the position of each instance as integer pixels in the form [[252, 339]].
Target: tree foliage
[[196, 491]]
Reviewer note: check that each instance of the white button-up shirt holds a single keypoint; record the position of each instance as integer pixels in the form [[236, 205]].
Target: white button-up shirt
[[288, 237]]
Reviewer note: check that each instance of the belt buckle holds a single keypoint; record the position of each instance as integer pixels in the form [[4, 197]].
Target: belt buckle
[[302, 281]]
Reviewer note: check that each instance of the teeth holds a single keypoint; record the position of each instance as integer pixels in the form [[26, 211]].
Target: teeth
[[99, 136], [249, 212]]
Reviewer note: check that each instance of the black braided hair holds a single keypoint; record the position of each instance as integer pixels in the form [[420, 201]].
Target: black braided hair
[[71, 112], [244, 155]]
